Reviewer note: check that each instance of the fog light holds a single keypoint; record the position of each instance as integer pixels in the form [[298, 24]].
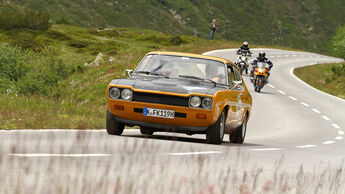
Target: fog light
[[200, 116], [119, 107]]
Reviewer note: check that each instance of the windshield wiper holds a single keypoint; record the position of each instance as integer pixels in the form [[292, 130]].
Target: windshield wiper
[[198, 78], [151, 73], [191, 76]]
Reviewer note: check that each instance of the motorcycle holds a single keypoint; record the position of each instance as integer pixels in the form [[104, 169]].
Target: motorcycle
[[260, 75], [242, 61]]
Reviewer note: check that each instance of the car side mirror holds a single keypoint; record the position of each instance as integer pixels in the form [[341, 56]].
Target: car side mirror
[[129, 72], [236, 83]]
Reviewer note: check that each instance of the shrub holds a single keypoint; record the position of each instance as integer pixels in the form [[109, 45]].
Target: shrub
[[339, 42], [78, 43], [14, 19], [12, 63], [176, 40], [57, 35], [26, 40]]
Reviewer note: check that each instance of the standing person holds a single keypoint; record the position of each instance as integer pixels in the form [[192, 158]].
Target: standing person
[[213, 28]]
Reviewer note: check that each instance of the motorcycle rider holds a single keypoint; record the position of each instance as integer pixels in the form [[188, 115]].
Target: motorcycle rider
[[260, 58], [244, 48]]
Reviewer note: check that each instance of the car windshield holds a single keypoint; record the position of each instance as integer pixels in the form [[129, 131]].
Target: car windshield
[[182, 67]]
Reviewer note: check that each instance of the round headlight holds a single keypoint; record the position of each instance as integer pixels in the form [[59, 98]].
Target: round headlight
[[207, 103], [126, 94], [114, 93], [195, 101]]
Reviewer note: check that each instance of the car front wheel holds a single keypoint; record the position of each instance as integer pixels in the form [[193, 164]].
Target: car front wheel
[[146, 131], [215, 133], [113, 126]]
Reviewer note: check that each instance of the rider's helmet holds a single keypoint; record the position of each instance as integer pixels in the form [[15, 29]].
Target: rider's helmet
[[245, 44], [262, 55]]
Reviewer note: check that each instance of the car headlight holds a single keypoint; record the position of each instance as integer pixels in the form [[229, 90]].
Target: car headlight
[[195, 101], [126, 94], [114, 93], [207, 103]]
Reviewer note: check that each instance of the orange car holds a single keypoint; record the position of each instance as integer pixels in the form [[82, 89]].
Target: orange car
[[181, 92]]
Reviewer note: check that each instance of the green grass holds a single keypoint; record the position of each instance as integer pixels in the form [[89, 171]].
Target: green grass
[[57, 91], [329, 78]]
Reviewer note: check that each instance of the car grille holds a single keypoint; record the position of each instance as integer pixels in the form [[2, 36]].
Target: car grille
[[160, 99]]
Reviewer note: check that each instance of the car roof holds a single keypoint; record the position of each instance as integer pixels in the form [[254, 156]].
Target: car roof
[[191, 55]]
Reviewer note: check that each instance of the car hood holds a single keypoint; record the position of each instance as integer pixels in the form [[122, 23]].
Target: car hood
[[180, 86]]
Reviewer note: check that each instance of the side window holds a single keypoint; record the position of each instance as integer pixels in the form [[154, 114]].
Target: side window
[[231, 76]]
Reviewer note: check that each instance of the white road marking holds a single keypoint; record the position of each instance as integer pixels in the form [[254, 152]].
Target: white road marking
[[281, 92], [293, 98], [341, 132], [306, 146], [61, 155], [339, 138], [272, 86], [326, 118], [286, 55], [279, 56], [194, 153], [327, 142], [336, 126], [305, 104], [272, 56], [267, 149], [294, 55], [315, 110]]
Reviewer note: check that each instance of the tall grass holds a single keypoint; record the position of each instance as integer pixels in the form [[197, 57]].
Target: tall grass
[[140, 166]]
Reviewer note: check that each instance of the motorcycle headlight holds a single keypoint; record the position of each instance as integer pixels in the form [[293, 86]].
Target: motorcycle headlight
[[207, 103], [114, 93], [126, 94], [243, 58], [195, 101]]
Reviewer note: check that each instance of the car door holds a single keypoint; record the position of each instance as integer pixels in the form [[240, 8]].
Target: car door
[[233, 96], [240, 92]]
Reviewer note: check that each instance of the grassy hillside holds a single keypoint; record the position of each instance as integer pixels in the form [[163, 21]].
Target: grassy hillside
[[48, 79], [304, 24]]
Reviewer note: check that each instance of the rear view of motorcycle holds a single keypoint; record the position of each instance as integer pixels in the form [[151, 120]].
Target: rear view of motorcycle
[[242, 61], [260, 75]]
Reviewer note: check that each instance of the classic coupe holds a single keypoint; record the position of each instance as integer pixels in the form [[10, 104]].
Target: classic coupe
[[183, 93]]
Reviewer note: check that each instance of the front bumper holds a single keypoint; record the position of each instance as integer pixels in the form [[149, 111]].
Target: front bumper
[[162, 127], [185, 117]]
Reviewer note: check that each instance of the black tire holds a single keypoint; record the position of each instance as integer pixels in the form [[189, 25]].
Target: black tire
[[215, 133], [146, 131], [113, 126], [259, 85], [241, 69], [239, 134]]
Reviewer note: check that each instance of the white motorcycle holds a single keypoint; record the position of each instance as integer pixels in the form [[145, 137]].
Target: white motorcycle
[[242, 61]]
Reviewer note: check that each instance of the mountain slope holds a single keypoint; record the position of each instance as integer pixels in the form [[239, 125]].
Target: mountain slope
[[304, 24]]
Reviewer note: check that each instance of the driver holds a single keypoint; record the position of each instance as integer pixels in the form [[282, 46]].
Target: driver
[[211, 72], [260, 58]]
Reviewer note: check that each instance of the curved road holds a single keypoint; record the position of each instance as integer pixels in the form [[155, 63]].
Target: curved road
[[295, 137]]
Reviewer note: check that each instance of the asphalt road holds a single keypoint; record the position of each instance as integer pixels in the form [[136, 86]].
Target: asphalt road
[[292, 125]]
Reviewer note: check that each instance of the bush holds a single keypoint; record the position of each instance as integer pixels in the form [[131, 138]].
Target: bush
[[12, 63], [57, 35], [339, 42], [78, 43], [26, 40], [34, 20], [177, 40]]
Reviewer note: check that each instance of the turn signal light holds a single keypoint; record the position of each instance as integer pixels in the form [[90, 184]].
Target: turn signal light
[[119, 107], [200, 116]]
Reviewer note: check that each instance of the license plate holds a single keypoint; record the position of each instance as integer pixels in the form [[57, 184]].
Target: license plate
[[153, 112]]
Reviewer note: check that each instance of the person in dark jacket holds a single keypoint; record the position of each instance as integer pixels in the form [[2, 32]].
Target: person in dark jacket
[[213, 27], [261, 58], [244, 48]]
